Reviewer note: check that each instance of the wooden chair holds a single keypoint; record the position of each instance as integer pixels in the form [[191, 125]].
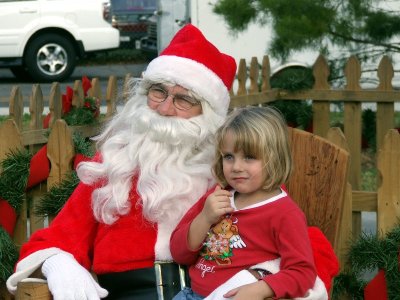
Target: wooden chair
[[319, 181], [318, 184]]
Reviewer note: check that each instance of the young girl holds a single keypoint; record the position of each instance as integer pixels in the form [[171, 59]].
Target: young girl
[[248, 218]]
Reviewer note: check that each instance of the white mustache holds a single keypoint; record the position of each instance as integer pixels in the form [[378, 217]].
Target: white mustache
[[170, 130]]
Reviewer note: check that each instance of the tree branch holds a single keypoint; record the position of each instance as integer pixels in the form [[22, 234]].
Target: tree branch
[[361, 41]]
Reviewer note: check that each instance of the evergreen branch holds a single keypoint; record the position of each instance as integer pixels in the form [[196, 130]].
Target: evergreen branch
[[53, 201], [362, 41], [79, 116], [369, 253], [348, 284], [82, 145], [14, 177], [8, 255]]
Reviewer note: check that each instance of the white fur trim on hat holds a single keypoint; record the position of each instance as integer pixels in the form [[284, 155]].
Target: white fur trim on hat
[[191, 75]]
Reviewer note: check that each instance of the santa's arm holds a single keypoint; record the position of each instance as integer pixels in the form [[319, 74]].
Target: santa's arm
[[71, 231]]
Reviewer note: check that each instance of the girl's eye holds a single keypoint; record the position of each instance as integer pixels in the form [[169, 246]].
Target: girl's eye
[[227, 156], [248, 157]]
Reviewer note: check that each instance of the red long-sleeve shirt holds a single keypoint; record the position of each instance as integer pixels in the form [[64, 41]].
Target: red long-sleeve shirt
[[274, 228]]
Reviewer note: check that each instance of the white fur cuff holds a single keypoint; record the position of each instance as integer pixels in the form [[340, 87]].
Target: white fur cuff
[[28, 265]]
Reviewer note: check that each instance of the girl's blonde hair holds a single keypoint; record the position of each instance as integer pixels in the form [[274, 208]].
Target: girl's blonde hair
[[260, 132]]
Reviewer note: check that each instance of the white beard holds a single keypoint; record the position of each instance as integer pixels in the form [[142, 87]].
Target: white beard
[[171, 156]]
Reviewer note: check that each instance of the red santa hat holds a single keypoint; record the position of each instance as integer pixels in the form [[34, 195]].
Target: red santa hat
[[194, 63]]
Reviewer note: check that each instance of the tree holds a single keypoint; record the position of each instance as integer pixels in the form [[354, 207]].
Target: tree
[[365, 28]]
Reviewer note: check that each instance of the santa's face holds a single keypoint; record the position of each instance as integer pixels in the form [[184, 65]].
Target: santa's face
[[170, 156], [165, 98]]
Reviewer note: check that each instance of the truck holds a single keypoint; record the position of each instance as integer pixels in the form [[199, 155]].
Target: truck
[[167, 19], [132, 18]]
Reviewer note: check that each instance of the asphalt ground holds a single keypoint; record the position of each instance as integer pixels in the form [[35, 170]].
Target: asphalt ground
[[103, 72]]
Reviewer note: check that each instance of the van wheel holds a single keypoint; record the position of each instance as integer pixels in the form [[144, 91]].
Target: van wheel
[[50, 58]]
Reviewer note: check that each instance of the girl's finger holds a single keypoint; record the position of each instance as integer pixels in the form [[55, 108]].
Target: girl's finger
[[231, 293]]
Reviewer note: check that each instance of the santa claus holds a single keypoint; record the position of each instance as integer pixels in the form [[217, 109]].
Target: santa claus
[[153, 164]]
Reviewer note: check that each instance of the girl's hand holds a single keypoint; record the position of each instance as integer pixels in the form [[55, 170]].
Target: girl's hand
[[259, 290], [217, 204]]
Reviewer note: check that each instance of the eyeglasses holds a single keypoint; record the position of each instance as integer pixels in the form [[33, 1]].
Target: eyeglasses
[[158, 94]]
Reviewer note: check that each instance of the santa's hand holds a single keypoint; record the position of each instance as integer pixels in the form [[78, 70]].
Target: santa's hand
[[68, 280]]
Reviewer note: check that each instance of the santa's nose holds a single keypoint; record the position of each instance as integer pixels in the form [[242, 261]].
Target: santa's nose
[[167, 108]]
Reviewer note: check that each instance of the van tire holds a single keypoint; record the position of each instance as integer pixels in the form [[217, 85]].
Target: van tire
[[50, 57]]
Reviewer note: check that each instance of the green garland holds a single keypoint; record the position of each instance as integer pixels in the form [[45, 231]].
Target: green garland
[[13, 182], [85, 115], [8, 255], [14, 177], [82, 145], [51, 203], [367, 254]]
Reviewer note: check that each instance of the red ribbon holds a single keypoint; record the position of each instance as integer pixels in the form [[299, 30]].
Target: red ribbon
[[86, 85], [376, 288], [67, 99], [8, 217], [46, 121], [39, 168]]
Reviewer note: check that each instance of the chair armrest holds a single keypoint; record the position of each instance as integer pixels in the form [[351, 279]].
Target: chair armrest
[[33, 289]]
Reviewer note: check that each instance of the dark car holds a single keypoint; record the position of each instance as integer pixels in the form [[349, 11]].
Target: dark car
[[131, 17]]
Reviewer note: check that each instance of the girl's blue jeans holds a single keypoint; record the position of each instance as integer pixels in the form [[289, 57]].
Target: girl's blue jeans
[[187, 294]]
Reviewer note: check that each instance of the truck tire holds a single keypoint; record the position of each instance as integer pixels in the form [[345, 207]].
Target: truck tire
[[50, 57]]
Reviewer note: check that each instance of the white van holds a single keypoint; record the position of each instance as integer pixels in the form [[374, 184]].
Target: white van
[[43, 39]]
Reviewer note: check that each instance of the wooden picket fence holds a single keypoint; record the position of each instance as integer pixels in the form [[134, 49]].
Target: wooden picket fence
[[386, 200], [253, 88]]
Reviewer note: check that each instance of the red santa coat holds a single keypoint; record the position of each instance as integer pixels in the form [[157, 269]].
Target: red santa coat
[[125, 245]]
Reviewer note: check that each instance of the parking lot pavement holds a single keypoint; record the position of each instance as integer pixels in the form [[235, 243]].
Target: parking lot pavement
[[105, 71], [7, 79]]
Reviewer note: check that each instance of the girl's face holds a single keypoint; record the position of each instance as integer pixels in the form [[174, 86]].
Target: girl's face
[[243, 173]]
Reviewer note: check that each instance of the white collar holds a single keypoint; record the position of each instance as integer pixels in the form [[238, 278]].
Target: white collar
[[282, 194]]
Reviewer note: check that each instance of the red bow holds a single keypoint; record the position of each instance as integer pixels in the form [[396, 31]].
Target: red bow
[[67, 99]]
